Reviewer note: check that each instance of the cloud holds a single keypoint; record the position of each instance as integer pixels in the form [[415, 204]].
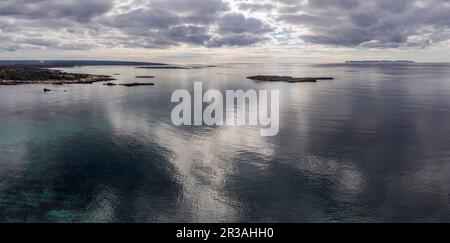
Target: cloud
[[256, 7], [371, 24], [236, 40], [237, 24], [89, 24], [207, 23], [79, 10]]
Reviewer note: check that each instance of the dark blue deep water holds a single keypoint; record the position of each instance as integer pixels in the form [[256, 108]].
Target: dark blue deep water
[[371, 146]]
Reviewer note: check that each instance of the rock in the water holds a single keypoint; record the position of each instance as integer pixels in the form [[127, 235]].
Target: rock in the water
[[145, 76]]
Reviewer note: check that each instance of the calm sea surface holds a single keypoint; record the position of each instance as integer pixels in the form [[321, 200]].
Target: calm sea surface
[[371, 146]]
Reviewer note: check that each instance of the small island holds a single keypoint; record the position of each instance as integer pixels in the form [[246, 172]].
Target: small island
[[129, 84], [288, 79]]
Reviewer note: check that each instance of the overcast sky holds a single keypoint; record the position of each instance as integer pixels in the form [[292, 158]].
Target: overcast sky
[[201, 31]]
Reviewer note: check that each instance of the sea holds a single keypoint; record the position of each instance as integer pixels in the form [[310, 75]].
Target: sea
[[372, 145]]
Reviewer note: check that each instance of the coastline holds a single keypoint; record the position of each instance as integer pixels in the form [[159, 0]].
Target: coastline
[[41, 72], [32, 75], [89, 80]]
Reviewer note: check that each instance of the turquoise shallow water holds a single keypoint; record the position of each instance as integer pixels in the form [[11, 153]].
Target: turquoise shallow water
[[370, 146]]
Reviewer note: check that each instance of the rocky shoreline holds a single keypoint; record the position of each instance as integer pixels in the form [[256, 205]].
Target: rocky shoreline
[[22, 76]]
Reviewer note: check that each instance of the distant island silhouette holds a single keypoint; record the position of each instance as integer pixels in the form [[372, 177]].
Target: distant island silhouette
[[381, 62], [72, 63]]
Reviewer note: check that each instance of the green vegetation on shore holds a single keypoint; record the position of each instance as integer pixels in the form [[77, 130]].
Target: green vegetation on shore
[[31, 75]]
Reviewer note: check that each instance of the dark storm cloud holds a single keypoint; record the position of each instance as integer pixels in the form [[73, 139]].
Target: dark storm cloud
[[84, 24]]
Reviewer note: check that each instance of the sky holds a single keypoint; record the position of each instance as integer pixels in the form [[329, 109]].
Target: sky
[[221, 31]]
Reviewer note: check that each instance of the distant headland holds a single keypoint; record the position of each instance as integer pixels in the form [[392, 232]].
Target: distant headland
[[381, 62], [71, 63]]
